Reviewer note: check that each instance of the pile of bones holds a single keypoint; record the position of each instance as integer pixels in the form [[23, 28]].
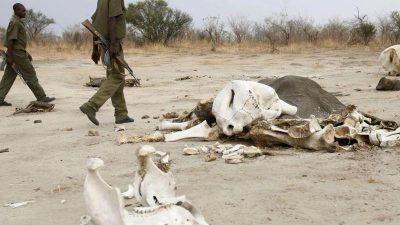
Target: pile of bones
[[253, 111]]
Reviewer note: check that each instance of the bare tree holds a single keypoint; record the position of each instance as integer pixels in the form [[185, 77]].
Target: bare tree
[[363, 31], [267, 33], [283, 25], [215, 30], [36, 23], [76, 36], [240, 27], [335, 30]]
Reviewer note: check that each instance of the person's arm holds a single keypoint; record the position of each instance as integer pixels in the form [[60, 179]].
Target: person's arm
[[10, 52], [112, 21], [95, 52]]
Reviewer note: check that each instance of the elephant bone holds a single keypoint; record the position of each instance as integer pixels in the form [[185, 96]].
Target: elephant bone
[[106, 206]]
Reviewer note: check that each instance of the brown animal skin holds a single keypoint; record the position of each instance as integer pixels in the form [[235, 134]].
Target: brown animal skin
[[386, 84], [306, 95]]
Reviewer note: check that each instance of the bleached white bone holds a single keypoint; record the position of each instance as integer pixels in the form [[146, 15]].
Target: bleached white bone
[[385, 138], [169, 125], [150, 183], [202, 130], [321, 140], [389, 59], [106, 207], [242, 102]]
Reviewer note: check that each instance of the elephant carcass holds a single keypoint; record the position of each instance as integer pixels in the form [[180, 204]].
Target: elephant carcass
[[106, 206], [307, 95], [241, 103], [390, 61]]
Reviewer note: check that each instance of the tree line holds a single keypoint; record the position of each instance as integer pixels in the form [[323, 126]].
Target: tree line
[[153, 21]]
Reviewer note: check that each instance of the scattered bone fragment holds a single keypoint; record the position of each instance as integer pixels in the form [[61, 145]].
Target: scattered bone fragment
[[118, 128], [18, 204], [123, 138], [191, 151], [63, 201], [145, 117], [93, 133], [211, 156]]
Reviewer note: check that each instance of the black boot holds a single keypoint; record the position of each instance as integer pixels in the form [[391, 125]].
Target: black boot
[[46, 99], [127, 119], [4, 103], [90, 113]]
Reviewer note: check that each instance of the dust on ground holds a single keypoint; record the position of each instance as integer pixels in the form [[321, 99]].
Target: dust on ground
[[46, 161]]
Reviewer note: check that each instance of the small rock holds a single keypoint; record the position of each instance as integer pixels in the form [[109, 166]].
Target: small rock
[[171, 115], [37, 121], [37, 189], [145, 117], [93, 133], [358, 89], [156, 117], [67, 129], [4, 150], [85, 220]]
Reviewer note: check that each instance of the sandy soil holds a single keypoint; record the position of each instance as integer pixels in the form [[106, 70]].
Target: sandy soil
[[47, 164]]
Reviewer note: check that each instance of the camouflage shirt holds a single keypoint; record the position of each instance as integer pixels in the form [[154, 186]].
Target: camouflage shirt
[[16, 31], [105, 10]]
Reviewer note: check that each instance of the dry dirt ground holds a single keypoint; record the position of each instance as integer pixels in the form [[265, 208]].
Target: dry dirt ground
[[46, 164]]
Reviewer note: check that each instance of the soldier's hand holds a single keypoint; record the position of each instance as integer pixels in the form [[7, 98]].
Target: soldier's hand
[[113, 49], [29, 57], [96, 55], [10, 61]]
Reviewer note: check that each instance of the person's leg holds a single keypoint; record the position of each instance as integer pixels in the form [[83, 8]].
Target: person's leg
[[28, 73], [6, 82], [118, 99]]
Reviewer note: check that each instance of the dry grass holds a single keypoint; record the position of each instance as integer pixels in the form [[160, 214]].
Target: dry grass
[[62, 50]]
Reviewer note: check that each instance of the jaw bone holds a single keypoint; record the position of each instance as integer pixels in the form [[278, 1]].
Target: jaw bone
[[106, 207], [153, 183]]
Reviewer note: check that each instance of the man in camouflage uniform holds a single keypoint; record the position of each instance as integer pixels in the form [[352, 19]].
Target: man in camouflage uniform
[[109, 20], [19, 59]]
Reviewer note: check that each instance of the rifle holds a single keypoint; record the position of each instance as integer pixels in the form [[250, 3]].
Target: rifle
[[3, 55], [103, 41]]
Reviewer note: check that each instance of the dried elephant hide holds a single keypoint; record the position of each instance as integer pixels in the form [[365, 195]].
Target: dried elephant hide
[[96, 82], [106, 206], [35, 107], [307, 95]]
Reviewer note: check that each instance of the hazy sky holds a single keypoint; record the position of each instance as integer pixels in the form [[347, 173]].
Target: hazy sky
[[68, 12]]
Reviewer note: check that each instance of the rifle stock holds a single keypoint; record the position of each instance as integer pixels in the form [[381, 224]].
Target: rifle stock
[[106, 44]]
